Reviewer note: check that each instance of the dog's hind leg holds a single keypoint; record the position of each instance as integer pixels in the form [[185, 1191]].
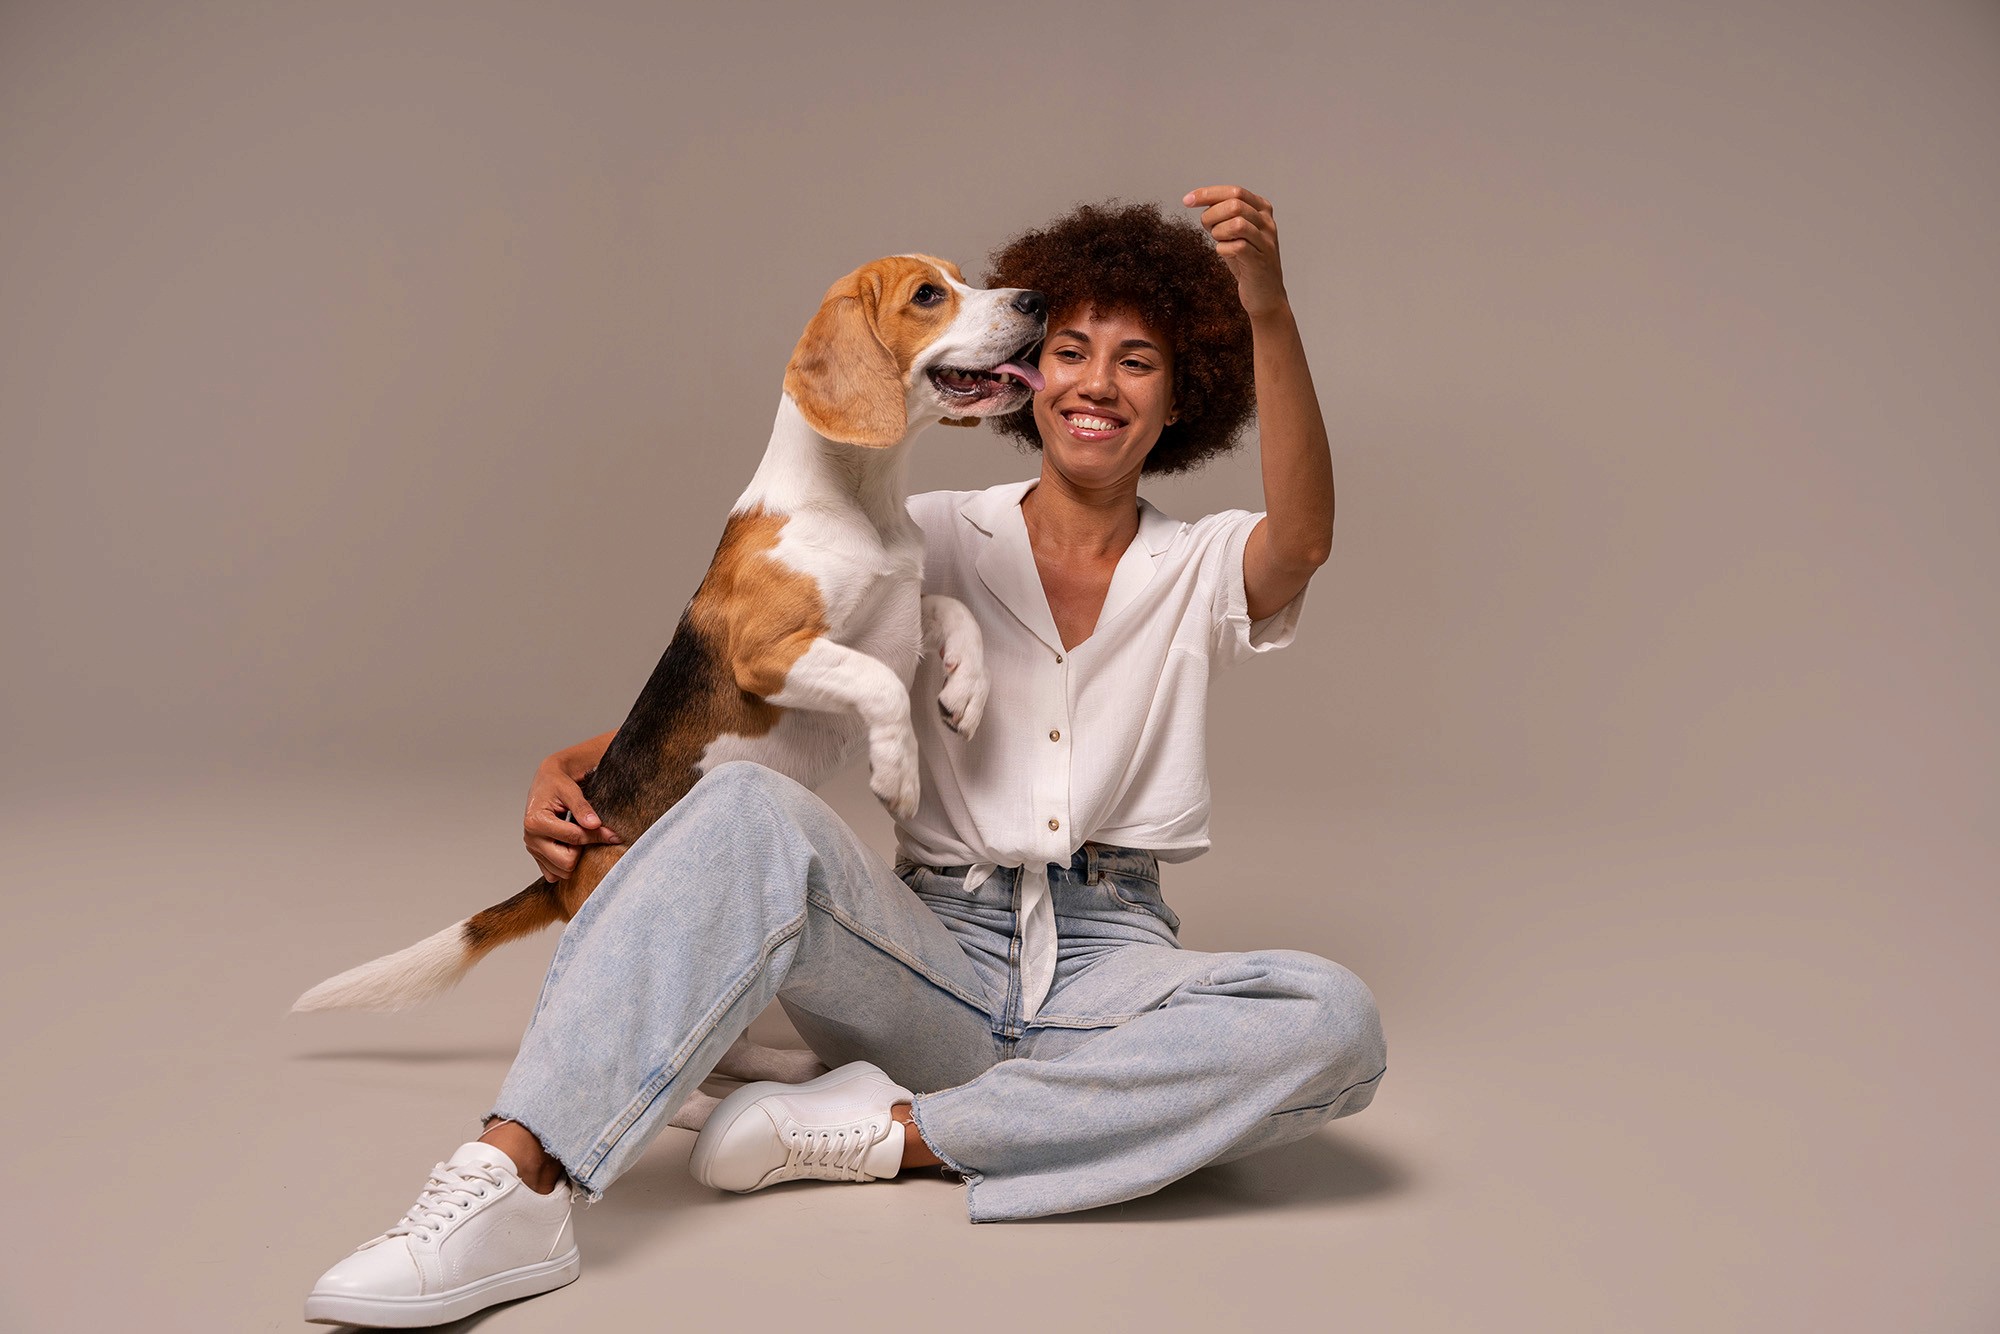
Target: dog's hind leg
[[748, 1061], [694, 1113]]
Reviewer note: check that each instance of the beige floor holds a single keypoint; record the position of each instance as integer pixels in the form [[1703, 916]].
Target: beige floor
[[1652, 1080]]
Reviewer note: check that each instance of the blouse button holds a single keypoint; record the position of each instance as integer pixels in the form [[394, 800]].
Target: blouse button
[[1055, 735], [1055, 824], [1058, 657]]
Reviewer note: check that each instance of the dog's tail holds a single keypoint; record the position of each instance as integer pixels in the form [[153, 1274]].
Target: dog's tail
[[434, 964]]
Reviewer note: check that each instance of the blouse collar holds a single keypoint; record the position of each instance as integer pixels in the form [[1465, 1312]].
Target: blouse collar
[[1006, 561]]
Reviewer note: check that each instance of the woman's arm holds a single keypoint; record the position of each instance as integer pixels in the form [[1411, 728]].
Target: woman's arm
[[554, 842], [1296, 533]]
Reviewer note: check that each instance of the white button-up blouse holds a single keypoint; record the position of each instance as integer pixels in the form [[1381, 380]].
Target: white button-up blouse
[[1105, 742]]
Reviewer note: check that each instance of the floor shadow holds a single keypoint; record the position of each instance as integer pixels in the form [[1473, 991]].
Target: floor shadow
[[1306, 1174], [657, 1197], [653, 1199], [413, 1056], [471, 1322]]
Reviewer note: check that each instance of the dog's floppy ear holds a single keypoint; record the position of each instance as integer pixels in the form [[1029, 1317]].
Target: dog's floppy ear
[[843, 377]]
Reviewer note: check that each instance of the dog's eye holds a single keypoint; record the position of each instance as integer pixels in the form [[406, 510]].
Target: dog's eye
[[927, 295]]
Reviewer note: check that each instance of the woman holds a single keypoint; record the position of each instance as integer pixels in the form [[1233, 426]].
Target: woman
[[1011, 1002]]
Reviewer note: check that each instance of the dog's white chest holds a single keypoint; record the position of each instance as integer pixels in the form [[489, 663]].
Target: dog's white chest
[[870, 584]]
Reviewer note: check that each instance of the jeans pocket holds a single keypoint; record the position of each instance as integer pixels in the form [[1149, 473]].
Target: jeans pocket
[[1143, 893], [932, 888]]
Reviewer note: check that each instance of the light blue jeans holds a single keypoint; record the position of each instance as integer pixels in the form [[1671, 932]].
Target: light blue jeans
[[1146, 1062]]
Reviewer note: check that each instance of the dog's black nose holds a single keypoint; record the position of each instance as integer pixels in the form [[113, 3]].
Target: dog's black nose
[[1032, 303]]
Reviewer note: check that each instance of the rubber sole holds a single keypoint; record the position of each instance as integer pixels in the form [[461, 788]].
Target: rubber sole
[[441, 1307]]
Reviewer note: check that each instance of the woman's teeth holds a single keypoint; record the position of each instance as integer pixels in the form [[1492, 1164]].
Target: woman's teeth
[[1094, 423]]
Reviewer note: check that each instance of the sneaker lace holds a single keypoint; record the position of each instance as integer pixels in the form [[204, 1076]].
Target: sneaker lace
[[451, 1191], [840, 1149]]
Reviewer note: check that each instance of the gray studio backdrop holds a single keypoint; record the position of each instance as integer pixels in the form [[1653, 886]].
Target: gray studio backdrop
[[374, 380]]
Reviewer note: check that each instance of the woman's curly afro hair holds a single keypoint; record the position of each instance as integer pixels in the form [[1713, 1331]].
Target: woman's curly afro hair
[[1122, 259]]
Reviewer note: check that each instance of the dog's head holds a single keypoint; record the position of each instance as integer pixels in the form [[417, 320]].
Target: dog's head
[[903, 342]]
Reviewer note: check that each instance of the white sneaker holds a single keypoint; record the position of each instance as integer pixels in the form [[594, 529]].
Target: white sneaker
[[834, 1128], [477, 1235]]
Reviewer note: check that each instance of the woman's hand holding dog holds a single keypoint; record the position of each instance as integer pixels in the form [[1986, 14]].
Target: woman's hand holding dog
[[554, 842]]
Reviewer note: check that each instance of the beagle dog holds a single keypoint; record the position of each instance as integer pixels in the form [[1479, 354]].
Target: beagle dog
[[804, 636]]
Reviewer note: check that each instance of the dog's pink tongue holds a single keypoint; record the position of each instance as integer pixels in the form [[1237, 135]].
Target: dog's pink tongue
[[1027, 375]]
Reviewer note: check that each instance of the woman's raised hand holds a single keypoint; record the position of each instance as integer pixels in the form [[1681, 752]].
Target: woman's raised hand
[[1247, 239], [554, 842]]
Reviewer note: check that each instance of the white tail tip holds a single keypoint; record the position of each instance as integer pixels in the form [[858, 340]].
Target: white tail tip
[[396, 981]]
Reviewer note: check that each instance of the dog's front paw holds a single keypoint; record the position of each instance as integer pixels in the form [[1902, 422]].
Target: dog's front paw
[[892, 764], [963, 699]]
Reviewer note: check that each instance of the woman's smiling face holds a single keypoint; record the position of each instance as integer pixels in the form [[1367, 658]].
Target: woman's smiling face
[[1109, 393]]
